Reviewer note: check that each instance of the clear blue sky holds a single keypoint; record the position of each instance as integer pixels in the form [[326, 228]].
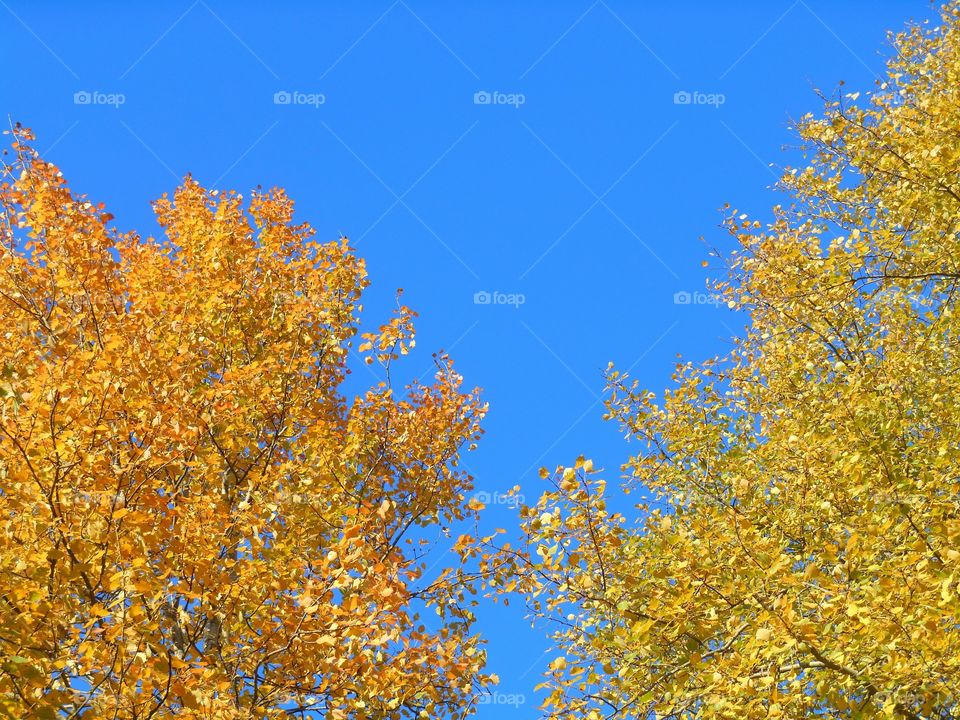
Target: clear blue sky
[[582, 185]]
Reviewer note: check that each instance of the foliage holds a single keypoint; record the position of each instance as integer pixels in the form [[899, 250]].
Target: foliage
[[196, 520], [798, 556]]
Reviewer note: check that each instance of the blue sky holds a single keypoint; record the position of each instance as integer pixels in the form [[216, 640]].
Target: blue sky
[[536, 152]]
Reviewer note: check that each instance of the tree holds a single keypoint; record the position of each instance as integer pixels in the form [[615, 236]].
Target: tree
[[797, 551], [196, 520]]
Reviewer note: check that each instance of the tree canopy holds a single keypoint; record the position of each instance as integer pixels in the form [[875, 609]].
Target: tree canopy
[[197, 522], [797, 552]]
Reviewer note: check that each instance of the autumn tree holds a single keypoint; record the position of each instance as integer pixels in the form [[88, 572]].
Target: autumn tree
[[796, 552], [196, 520]]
